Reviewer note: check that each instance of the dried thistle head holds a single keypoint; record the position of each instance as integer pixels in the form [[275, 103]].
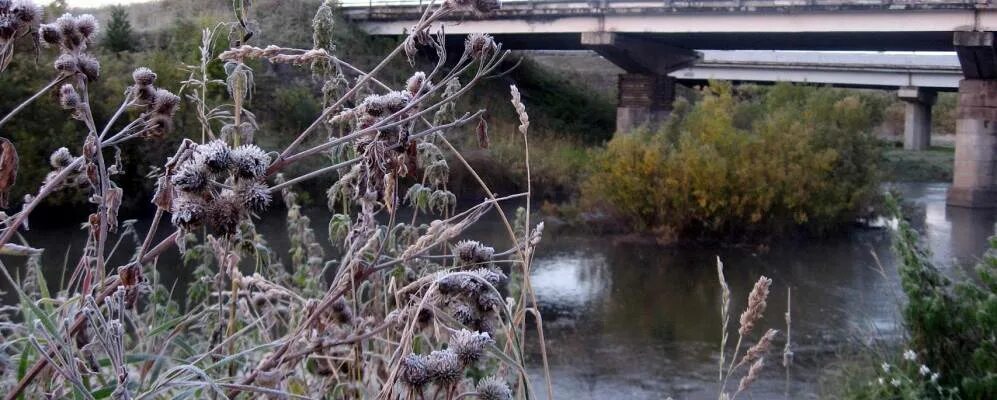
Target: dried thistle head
[[216, 155], [249, 161], [17, 17], [469, 346], [188, 211], [225, 212], [50, 34], [473, 252], [165, 103], [493, 388], [254, 195], [68, 98], [60, 158], [444, 368], [191, 177], [87, 25], [415, 371], [479, 45], [415, 83], [144, 76], [89, 66]]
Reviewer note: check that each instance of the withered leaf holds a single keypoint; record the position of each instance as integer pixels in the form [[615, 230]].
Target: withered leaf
[[8, 169]]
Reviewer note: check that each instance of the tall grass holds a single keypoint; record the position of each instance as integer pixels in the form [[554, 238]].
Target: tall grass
[[407, 307]]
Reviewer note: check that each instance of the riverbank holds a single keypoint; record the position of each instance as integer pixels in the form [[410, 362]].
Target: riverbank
[[932, 165]]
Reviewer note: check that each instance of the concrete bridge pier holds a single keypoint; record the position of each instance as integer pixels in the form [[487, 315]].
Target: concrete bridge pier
[[645, 91], [643, 100], [917, 117], [975, 177]]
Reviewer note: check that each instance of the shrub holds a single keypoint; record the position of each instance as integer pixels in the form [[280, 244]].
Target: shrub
[[743, 163], [952, 326]]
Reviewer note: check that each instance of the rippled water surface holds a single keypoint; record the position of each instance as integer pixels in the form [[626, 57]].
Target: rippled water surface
[[641, 321]]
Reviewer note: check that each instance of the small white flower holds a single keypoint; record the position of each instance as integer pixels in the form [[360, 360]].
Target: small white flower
[[924, 370], [882, 381], [886, 367], [935, 376], [910, 355], [895, 382]]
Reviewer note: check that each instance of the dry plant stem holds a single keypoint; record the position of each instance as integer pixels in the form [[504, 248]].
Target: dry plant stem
[[347, 163], [383, 123], [151, 232], [52, 84], [110, 286], [77, 325], [787, 351], [105, 181], [426, 19], [45, 190], [543, 353], [519, 319]]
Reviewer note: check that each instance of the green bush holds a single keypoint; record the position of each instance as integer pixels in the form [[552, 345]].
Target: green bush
[[748, 162], [952, 326]]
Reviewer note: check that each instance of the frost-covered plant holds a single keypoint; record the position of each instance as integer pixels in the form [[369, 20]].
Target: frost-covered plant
[[397, 309]]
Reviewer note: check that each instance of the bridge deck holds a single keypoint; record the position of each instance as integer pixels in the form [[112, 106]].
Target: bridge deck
[[709, 24]]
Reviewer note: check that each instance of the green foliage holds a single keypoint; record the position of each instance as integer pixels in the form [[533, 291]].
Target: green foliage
[[745, 162], [119, 36], [953, 326]]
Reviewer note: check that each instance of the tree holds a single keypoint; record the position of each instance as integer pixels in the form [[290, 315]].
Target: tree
[[119, 31]]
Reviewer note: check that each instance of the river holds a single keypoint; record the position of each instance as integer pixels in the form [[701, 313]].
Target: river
[[640, 321]]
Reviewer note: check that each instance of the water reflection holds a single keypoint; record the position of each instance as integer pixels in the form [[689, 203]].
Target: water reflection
[[638, 321]]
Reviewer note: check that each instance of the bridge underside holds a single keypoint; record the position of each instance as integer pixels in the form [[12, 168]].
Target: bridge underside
[[820, 41], [653, 40]]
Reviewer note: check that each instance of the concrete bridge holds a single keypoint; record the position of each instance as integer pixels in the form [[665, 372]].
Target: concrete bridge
[[652, 40]]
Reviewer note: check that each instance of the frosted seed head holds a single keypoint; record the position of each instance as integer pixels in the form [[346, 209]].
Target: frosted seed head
[[66, 64], [26, 11], [415, 371], [89, 66], [444, 368], [50, 34], [60, 158], [188, 211], [493, 388], [469, 346], [216, 155], [86, 25], [255, 196], [144, 76], [249, 161], [224, 213], [68, 97], [191, 177], [165, 102]]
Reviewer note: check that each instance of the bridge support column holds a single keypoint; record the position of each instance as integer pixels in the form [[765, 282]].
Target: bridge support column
[[646, 91], [974, 182], [917, 117], [643, 100]]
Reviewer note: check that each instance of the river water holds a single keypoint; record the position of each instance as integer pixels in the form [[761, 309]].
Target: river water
[[639, 321]]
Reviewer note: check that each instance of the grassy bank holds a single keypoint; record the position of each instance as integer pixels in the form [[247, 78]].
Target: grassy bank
[[933, 165]]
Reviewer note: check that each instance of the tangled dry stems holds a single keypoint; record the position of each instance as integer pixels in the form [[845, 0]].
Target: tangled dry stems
[[409, 312]]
